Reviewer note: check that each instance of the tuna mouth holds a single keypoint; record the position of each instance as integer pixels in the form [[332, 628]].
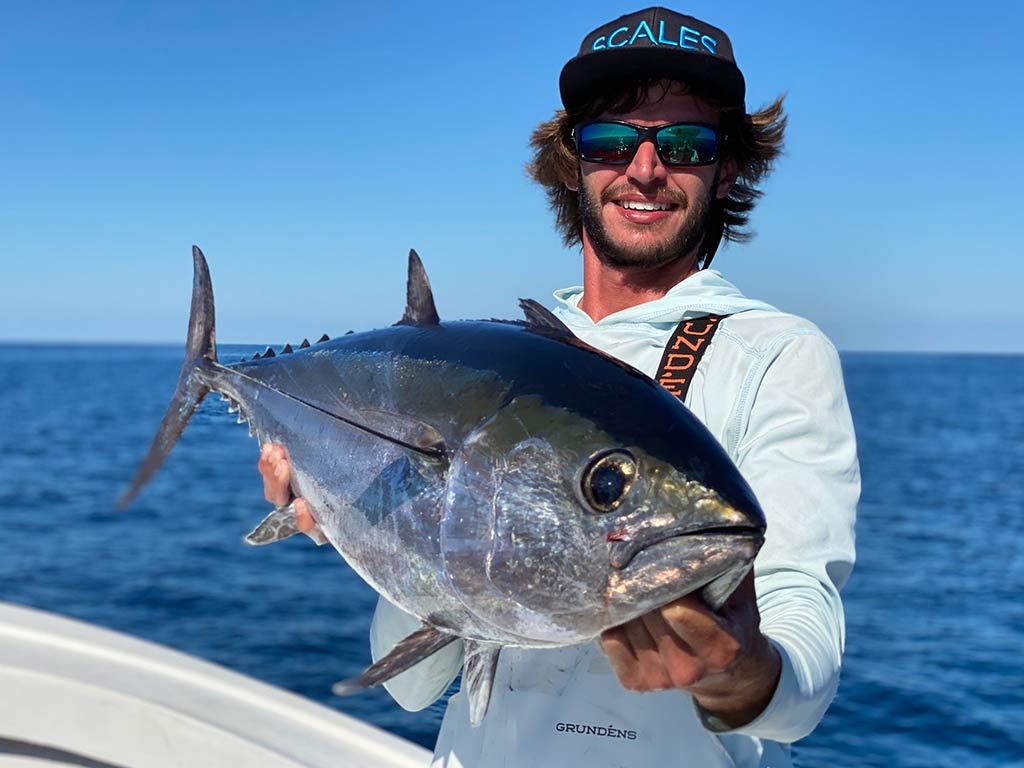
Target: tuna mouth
[[623, 547]]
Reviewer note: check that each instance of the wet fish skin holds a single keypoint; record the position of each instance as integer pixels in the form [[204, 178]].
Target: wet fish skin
[[447, 463]]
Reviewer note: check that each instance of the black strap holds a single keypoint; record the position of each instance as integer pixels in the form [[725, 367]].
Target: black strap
[[686, 346]]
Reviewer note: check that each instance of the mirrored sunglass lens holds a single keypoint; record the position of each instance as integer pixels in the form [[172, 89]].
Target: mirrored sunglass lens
[[687, 144], [607, 142]]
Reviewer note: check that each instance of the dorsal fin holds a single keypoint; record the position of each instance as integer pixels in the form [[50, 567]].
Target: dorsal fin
[[286, 349], [323, 338], [542, 320], [419, 301], [269, 352], [304, 344]]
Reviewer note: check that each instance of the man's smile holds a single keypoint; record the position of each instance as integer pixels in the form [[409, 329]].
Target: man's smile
[[642, 211], [644, 205]]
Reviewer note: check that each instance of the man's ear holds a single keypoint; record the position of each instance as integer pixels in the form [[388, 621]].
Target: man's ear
[[570, 173], [728, 172]]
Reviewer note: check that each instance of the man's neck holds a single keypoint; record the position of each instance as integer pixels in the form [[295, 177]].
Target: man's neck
[[607, 290]]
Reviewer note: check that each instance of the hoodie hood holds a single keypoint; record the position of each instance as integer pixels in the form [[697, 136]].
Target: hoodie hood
[[703, 293], [639, 334]]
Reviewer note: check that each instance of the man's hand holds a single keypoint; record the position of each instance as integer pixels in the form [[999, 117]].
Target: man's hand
[[276, 471], [722, 659]]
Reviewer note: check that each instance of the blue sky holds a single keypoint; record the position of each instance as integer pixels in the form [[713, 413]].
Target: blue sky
[[307, 146]]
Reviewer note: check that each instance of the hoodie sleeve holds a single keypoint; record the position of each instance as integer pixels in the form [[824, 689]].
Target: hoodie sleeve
[[798, 452], [421, 686]]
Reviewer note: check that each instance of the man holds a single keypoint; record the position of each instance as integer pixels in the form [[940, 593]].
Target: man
[[652, 163]]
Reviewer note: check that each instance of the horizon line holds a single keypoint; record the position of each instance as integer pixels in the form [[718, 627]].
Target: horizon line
[[181, 344]]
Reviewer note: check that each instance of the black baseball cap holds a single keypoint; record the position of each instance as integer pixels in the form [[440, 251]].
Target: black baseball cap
[[654, 42]]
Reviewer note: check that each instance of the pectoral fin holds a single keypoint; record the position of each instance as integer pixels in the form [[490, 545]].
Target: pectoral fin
[[478, 677], [404, 430], [278, 525], [409, 652]]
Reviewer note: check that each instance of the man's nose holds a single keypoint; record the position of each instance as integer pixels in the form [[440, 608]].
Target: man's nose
[[646, 167]]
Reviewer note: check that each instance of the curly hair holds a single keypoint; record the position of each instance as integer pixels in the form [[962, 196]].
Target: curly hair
[[753, 141]]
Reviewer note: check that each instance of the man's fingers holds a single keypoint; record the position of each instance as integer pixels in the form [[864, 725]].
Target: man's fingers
[[670, 644], [681, 664], [276, 472], [620, 655], [281, 488], [276, 488], [633, 673], [266, 453], [702, 631], [304, 522], [691, 618], [650, 674], [303, 517]]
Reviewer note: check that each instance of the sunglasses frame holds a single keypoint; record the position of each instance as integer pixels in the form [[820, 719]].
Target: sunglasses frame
[[649, 133]]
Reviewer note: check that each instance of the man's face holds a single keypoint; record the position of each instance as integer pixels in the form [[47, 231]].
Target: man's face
[[615, 200]]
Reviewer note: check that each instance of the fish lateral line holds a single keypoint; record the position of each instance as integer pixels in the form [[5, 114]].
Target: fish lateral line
[[435, 447]]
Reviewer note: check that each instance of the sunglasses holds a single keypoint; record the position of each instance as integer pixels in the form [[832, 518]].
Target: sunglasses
[[614, 143]]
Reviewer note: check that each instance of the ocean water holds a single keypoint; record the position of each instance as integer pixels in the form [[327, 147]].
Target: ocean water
[[934, 670]]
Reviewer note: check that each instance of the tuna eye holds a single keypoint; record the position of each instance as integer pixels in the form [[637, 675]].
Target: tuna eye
[[607, 479]]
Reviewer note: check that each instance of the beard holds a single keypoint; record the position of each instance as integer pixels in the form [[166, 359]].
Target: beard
[[649, 255]]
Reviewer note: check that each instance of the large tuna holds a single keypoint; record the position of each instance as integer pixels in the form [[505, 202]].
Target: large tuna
[[502, 481]]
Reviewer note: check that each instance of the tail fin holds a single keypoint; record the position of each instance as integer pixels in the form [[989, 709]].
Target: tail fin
[[200, 354]]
